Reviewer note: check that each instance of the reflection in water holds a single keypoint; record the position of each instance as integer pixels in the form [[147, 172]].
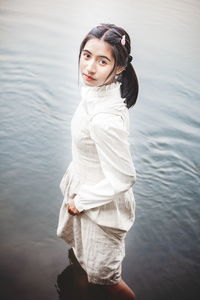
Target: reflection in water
[[72, 283]]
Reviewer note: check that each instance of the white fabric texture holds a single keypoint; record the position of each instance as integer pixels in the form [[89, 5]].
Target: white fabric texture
[[103, 252], [99, 178]]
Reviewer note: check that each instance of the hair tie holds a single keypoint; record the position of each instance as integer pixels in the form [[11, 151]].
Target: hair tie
[[123, 40], [130, 58]]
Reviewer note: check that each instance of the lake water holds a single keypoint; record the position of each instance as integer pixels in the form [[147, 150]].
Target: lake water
[[39, 92]]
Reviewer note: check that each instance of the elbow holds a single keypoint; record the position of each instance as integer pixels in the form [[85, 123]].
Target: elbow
[[131, 182], [124, 187], [133, 179]]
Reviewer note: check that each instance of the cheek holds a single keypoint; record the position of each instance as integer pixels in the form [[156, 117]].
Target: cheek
[[108, 71], [82, 64]]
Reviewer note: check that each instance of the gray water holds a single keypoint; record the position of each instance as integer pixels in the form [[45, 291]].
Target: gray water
[[39, 92]]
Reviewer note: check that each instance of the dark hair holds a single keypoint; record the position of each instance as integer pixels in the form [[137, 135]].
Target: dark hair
[[113, 35]]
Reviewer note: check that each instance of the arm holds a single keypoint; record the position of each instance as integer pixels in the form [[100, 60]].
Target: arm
[[111, 140]]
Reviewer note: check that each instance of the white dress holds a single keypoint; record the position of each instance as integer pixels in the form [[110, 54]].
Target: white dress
[[99, 178]]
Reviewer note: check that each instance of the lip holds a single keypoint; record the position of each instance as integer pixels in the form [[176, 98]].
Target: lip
[[87, 77]]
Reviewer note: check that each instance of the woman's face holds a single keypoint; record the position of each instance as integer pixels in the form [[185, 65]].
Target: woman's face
[[96, 62]]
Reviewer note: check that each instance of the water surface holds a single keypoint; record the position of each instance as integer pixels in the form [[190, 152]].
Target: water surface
[[39, 92]]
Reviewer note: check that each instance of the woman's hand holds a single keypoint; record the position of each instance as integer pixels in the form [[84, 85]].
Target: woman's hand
[[72, 208]]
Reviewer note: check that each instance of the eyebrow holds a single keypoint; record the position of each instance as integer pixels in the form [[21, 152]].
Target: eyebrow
[[98, 55]]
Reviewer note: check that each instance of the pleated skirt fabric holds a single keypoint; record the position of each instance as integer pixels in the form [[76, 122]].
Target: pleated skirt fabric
[[99, 250]]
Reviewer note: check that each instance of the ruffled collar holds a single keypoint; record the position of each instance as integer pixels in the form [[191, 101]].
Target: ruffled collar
[[100, 91], [106, 98]]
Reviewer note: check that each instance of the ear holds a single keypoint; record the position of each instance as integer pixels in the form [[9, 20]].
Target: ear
[[119, 70]]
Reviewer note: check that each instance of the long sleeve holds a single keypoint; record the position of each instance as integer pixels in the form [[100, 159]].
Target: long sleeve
[[110, 136]]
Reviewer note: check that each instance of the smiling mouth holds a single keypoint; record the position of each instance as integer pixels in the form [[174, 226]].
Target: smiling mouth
[[88, 77]]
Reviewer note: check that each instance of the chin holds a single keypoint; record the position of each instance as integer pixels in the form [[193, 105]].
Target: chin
[[90, 83]]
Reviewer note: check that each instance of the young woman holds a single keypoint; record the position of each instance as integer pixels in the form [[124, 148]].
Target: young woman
[[99, 207]]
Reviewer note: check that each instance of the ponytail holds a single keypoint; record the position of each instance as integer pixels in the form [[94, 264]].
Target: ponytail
[[129, 87]]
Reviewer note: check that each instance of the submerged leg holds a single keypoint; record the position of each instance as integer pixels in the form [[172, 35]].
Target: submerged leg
[[119, 291]]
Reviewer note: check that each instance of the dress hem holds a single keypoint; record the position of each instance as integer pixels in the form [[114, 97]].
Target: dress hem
[[94, 280]]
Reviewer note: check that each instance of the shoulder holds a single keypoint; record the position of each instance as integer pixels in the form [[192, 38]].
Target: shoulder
[[108, 127], [106, 120]]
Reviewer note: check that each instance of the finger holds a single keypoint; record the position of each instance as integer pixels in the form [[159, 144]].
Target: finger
[[76, 211], [73, 211], [70, 211]]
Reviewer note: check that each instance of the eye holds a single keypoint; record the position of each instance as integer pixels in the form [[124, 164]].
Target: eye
[[103, 62], [86, 55]]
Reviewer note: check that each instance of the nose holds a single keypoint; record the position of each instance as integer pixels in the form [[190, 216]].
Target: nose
[[91, 68]]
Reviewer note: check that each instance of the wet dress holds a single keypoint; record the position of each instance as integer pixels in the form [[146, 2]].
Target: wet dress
[[100, 179]]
